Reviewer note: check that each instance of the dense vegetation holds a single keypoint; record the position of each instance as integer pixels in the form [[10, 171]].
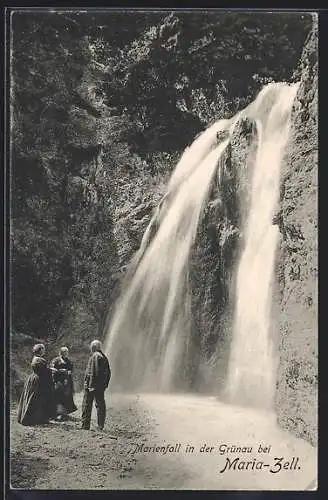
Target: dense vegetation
[[102, 105]]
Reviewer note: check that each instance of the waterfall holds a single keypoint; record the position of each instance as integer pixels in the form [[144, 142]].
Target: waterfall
[[148, 340], [149, 333], [251, 376]]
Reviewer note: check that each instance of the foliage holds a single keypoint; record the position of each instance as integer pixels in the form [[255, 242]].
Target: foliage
[[186, 69], [102, 106], [61, 217]]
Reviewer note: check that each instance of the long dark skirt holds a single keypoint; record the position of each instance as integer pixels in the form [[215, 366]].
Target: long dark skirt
[[33, 408], [64, 397]]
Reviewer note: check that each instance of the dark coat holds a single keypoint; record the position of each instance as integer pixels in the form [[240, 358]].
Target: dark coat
[[98, 373], [63, 383], [36, 404]]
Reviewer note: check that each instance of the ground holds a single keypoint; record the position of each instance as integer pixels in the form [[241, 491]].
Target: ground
[[124, 455]]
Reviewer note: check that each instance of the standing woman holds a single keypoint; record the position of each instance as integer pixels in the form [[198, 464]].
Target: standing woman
[[62, 369], [36, 405]]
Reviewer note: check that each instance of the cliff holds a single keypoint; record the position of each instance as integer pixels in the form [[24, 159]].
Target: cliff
[[297, 386], [99, 122], [215, 256], [295, 308]]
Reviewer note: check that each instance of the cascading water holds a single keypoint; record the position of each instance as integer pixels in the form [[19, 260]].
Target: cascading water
[[149, 333], [251, 375], [149, 336]]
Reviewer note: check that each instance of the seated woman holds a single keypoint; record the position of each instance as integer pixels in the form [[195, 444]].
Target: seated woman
[[36, 405], [62, 368]]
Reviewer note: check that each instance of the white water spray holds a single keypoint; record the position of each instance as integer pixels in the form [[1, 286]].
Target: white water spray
[[149, 331], [149, 336], [251, 377]]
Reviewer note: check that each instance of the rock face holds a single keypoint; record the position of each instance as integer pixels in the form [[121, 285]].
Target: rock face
[[297, 397], [214, 257], [92, 157], [295, 300]]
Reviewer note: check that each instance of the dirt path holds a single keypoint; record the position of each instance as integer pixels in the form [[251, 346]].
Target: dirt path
[[63, 456], [147, 444]]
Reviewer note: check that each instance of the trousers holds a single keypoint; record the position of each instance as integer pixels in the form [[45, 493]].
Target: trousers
[[98, 395]]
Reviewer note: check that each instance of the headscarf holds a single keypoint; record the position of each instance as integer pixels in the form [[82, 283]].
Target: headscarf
[[37, 349]]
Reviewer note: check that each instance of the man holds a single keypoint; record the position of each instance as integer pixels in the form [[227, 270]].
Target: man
[[96, 380]]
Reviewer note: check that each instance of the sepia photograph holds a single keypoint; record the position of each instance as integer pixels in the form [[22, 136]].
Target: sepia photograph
[[163, 249]]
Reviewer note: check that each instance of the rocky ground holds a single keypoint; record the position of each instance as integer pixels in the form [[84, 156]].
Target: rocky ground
[[62, 456]]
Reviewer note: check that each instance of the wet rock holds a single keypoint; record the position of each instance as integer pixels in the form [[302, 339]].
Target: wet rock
[[297, 396]]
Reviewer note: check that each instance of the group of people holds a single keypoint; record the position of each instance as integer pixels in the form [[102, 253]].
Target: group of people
[[48, 392]]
